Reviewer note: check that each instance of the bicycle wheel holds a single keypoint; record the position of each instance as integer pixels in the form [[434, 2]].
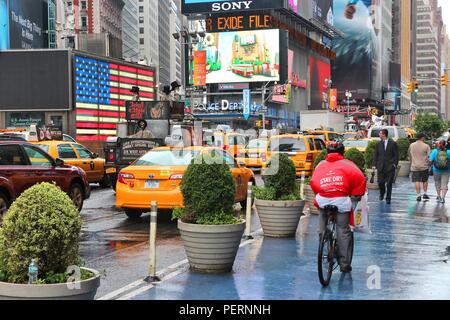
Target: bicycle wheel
[[326, 256], [352, 247]]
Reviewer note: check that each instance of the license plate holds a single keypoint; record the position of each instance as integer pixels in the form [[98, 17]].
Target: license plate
[[111, 170], [152, 184]]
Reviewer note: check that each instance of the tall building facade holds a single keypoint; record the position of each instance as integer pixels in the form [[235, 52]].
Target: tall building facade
[[428, 55], [176, 49], [401, 51], [164, 37], [148, 31], [130, 31], [445, 58], [91, 25]]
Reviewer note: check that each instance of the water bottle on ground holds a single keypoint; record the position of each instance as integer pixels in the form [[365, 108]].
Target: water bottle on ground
[[32, 272]]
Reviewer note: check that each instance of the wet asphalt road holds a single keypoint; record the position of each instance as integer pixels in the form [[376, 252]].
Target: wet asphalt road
[[118, 247]]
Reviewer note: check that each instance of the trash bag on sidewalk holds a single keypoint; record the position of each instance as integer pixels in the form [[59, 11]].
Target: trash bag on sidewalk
[[359, 218]]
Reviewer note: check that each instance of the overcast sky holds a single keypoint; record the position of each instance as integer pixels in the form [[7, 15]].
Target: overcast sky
[[445, 4]]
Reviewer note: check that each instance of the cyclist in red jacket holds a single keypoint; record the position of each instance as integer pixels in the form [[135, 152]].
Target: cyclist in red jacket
[[335, 181]]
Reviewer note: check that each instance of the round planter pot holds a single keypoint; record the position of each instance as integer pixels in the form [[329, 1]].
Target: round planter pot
[[405, 168], [279, 219], [309, 198], [82, 290], [211, 249], [372, 186]]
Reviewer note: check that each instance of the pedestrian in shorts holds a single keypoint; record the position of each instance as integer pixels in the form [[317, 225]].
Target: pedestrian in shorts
[[419, 153], [440, 171]]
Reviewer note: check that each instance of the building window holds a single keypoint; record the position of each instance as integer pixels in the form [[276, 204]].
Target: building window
[[83, 5], [141, 9], [141, 41], [84, 23], [141, 30], [141, 19]]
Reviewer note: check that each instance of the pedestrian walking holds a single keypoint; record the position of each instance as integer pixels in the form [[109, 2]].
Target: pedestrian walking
[[386, 163], [440, 158], [419, 154]]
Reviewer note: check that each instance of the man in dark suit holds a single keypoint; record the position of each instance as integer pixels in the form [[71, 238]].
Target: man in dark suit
[[386, 163]]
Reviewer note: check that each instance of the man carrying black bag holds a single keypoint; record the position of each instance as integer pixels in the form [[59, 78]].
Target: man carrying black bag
[[386, 162]]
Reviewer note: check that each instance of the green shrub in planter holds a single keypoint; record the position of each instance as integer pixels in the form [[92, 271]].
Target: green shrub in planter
[[357, 158], [41, 224], [282, 185], [320, 157], [370, 153], [403, 147], [208, 193]]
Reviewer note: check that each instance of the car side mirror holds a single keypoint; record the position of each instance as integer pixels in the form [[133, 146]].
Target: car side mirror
[[59, 162], [94, 155]]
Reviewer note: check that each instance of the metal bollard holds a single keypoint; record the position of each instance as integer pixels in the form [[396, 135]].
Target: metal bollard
[[302, 186], [248, 216], [152, 248]]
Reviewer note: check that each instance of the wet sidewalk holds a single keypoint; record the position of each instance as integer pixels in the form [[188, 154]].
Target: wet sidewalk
[[405, 257]]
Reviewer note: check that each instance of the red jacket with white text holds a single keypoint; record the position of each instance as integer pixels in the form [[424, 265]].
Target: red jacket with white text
[[337, 177]]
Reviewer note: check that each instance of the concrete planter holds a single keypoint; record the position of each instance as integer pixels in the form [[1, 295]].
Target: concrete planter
[[309, 197], [211, 249], [279, 219], [405, 168], [86, 291], [372, 186]]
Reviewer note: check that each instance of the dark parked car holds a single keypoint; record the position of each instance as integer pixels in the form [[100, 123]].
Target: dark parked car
[[22, 165]]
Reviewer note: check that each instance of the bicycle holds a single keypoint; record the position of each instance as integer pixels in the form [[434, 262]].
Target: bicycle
[[328, 248]]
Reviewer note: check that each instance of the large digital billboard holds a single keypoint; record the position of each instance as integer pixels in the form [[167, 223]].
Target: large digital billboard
[[28, 21], [4, 25], [358, 54], [34, 80], [243, 56], [223, 6], [319, 71]]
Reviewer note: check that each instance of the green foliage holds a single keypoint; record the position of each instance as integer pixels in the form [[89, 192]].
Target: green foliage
[[320, 157], [209, 191], [430, 124], [403, 147], [281, 186], [369, 155], [41, 224], [357, 158]]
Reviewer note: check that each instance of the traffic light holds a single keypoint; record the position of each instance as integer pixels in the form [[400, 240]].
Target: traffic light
[[416, 86], [410, 87], [444, 80]]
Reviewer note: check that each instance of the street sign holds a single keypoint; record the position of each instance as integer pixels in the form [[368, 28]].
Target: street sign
[[246, 103]]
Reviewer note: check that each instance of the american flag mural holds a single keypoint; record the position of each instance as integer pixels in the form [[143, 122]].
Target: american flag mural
[[101, 89]]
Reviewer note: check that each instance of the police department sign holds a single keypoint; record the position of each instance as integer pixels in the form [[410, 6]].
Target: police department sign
[[224, 107], [205, 6]]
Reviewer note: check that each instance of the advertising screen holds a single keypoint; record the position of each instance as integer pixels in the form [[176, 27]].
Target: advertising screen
[[359, 50], [320, 71], [222, 6], [101, 89], [28, 20], [4, 25], [34, 80], [244, 56]]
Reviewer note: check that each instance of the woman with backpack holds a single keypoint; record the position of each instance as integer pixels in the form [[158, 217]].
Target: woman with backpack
[[440, 159]]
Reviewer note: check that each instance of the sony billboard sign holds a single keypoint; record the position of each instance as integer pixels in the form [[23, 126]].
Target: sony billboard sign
[[222, 6]]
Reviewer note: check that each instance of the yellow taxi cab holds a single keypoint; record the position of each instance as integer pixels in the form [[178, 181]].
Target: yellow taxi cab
[[349, 135], [77, 155], [410, 132], [360, 144], [327, 136], [253, 153], [302, 149], [231, 142], [157, 176]]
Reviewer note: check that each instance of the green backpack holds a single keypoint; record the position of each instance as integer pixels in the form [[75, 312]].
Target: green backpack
[[442, 161]]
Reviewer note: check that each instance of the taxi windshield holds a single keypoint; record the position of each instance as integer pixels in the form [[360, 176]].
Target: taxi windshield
[[167, 158], [257, 144], [44, 147], [356, 143], [288, 145]]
